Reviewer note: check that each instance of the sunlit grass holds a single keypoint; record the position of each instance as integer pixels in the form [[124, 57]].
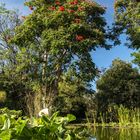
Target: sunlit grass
[[125, 118]]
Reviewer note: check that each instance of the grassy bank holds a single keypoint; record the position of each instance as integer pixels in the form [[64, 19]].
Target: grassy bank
[[115, 117]]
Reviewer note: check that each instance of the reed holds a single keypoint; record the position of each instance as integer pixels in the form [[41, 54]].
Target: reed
[[119, 116]]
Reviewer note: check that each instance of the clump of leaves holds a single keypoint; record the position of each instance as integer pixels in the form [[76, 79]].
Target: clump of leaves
[[12, 113], [44, 128]]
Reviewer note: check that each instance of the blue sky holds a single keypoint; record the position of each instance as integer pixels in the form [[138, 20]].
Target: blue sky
[[103, 58]]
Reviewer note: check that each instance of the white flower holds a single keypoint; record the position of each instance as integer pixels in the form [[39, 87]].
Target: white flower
[[44, 111]]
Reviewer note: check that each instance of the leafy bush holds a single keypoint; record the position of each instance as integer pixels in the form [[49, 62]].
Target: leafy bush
[[10, 112], [44, 128]]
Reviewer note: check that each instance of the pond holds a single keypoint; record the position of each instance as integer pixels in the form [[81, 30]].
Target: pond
[[109, 133]]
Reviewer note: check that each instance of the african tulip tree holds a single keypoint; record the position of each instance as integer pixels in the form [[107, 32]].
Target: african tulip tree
[[58, 36]]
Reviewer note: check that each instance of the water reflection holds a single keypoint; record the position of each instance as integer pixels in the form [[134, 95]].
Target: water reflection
[[108, 133]]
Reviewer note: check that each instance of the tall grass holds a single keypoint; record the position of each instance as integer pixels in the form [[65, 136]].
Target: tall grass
[[118, 116], [124, 115], [128, 116]]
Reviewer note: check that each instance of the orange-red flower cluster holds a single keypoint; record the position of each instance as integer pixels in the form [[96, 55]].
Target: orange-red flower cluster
[[74, 2], [57, 2], [71, 11], [79, 37], [61, 8]]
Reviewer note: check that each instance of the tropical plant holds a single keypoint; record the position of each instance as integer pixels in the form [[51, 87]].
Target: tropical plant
[[10, 112], [44, 128]]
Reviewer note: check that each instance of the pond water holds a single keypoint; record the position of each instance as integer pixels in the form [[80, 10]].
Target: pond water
[[108, 133]]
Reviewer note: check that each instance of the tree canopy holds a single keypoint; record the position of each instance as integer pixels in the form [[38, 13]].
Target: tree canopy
[[127, 16], [119, 85], [136, 58], [127, 21]]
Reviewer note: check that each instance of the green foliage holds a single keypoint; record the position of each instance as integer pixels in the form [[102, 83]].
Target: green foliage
[[127, 22], [54, 127], [119, 85], [75, 97], [122, 116], [10, 81], [136, 56], [127, 17], [118, 94], [117, 116], [10, 112]]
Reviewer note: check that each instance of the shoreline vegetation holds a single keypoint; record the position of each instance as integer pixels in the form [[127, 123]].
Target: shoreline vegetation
[[126, 118]]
